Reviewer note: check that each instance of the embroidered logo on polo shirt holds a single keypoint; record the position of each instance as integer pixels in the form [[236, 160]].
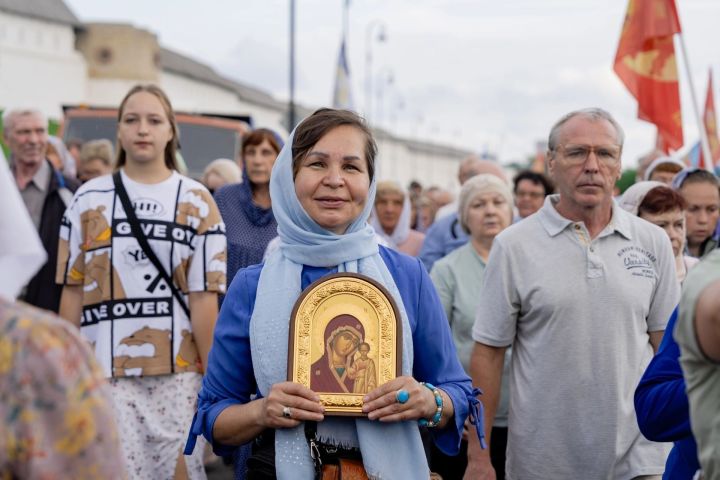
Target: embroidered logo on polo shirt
[[638, 261]]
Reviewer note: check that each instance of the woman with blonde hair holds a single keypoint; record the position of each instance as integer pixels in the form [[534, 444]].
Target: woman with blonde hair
[[95, 160], [484, 210], [142, 258], [220, 172]]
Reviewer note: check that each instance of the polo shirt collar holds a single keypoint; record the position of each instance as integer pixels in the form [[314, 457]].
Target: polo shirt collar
[[41, 179], [554, 223]]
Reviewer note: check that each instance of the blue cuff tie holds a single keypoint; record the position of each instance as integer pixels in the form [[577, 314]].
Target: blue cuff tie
[[195, 430], [477, 416]]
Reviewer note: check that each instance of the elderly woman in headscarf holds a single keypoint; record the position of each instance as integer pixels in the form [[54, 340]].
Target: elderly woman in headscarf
[[391, 219], [484, 210], [665, 207], [323, 187]]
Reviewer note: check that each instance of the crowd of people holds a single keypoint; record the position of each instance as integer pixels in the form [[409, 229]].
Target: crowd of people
[[548, 329]]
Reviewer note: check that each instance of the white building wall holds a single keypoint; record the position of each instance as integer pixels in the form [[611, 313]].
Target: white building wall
[[397, 162], [191, 95], [107, 92], [39, 66]]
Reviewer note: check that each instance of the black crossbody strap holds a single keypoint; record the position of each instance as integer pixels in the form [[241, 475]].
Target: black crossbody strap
[[142, 240]]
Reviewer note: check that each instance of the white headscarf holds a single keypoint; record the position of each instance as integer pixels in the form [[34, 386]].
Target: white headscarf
[[402, 230], [661, 161], [21, 252], [635, 194]]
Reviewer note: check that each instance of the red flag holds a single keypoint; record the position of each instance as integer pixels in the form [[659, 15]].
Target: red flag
[[645, 63], [710, 121]]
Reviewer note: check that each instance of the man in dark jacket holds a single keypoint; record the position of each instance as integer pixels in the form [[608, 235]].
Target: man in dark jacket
[[45, 192]]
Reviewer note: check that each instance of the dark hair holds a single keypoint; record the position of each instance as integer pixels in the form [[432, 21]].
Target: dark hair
[[660, 200], [257, 136], [314, 127], [172, 145], [536, 178], [700, 176]]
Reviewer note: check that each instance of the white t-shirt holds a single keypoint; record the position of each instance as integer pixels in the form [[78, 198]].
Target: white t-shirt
[[130, 315], [577, 312]]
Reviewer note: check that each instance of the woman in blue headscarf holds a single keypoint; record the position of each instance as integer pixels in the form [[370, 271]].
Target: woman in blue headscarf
[[322, 188]]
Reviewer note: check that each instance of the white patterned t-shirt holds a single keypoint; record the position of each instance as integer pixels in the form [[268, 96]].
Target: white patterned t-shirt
[[130, 315]]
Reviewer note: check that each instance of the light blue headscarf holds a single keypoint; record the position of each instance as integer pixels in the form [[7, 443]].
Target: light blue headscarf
[[304, 242]]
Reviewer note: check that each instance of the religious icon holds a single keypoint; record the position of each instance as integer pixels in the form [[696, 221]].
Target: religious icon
[[362, 371], [345, 340]]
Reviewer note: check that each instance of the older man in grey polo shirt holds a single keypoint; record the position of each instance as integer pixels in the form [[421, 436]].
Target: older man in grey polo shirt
[[582, 290]]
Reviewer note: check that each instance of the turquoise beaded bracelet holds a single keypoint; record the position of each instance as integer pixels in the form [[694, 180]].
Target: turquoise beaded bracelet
[[435, 420]]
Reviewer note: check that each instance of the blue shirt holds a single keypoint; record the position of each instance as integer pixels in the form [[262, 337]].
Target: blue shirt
[[229, 379], [443, 236], [662, 408]]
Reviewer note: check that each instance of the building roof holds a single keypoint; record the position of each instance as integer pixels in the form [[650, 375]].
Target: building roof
[[182, 65], [421, 146], [57, 11], [49, 10]]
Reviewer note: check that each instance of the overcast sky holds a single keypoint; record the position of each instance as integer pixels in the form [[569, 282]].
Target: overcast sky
[[478, 74]]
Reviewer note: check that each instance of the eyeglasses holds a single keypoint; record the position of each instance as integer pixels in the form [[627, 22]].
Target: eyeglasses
[[608, 155]]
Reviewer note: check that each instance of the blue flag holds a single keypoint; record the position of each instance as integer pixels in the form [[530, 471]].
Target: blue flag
[[342, 96]]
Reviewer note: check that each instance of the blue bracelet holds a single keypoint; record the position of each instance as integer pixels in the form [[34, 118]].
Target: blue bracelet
[[435, 420]]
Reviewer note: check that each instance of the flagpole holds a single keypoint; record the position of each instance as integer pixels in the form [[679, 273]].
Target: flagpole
[[704, 142], [346, 23], [291, 102]]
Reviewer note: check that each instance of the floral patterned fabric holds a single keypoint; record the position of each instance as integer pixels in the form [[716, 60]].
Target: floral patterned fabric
[[154, 414], [56, 416]]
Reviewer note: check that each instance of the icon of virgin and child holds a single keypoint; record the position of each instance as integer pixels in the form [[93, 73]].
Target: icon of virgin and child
[[344, 366]]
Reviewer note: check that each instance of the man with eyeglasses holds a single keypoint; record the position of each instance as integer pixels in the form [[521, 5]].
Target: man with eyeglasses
[[582, 291], [530, 191]]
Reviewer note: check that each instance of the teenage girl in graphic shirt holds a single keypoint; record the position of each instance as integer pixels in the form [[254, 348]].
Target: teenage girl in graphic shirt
[[147, 143]]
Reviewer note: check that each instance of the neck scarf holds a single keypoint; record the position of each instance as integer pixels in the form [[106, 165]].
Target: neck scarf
[[258, 216], [402, 229], [304, 242]]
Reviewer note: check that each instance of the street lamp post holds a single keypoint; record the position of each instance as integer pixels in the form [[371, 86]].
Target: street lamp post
[[291, 103], [377, 27], [385, 79]]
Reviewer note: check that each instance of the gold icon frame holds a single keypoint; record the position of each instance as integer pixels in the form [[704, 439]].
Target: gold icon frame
[[344, 294]]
